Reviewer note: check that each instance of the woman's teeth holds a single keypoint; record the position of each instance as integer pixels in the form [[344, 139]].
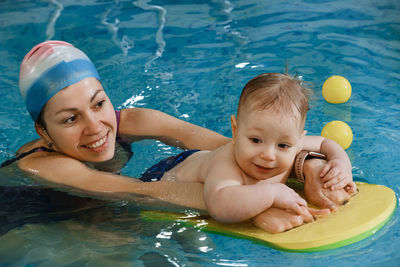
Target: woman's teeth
[[98, 143]]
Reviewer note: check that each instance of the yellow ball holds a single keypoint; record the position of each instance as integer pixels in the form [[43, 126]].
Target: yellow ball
[[336, 89], [339, 132]]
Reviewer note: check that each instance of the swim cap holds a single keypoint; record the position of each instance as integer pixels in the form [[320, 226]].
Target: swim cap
[[49, 67]]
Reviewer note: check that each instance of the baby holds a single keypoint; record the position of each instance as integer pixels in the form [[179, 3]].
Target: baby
[[247, 176]]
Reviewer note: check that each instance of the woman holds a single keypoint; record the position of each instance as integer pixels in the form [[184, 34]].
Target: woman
[[83, 140]]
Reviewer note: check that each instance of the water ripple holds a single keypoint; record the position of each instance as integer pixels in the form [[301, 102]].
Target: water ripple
[[50, 29], [125, 44], [162, 12]]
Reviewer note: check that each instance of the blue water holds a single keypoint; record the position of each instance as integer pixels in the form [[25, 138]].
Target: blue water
[[191, 60]]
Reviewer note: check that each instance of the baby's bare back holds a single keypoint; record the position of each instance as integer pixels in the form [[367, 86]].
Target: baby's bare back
[[196, 166]]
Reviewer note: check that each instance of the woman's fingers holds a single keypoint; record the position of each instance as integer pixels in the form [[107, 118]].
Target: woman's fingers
[[351, 188], [319, 212], [325, 202]]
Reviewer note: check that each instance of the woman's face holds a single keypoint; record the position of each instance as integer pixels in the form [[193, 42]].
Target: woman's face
[[81, 122]]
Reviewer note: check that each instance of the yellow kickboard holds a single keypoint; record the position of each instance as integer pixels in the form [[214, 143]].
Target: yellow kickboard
[[361, 217]]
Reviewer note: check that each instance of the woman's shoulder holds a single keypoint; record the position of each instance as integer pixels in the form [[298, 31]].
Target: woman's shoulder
[[31, 145], [131, 113], [133, 121], [35, 152], [37, 157]]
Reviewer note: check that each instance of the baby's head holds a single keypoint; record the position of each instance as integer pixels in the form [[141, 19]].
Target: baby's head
[[269, 129], [278, 93]]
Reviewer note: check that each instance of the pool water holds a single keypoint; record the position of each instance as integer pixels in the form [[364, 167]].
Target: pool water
[[191, 59]]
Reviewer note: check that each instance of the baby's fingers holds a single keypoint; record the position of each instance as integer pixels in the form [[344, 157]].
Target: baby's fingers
[[301, 201], [298, 206], [325, 169], [338, 182], [339, 185], [332, 173], [307, 216], [297, 209], [303, 213]]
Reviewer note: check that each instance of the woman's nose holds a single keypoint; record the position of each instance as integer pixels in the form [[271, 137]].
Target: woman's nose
[[92, 124]]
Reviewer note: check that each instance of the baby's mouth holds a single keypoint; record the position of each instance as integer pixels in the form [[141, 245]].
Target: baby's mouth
[[263, 168]]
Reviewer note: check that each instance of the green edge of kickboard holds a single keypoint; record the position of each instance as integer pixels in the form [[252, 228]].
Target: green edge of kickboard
[[163, 216], [191, 222]]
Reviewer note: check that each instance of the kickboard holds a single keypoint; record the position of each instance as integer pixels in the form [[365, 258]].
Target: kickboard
[[361, 217]]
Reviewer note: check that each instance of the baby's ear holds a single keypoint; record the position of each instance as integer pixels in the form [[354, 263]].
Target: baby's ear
[[302, 135], [234, 126]]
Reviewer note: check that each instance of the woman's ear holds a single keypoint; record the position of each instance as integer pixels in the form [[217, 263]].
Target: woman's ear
[[234, 126], [42, 133]]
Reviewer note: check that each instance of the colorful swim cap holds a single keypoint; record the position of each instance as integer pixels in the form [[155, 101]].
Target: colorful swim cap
[[49, 67]]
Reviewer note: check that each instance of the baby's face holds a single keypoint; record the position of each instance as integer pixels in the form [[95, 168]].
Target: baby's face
[[267, 143]]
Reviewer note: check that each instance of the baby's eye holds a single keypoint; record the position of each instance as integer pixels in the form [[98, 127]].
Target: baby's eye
[[283, 146], [255, 140]]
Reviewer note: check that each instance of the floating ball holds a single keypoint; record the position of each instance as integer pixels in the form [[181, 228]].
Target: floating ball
[[336, 89], [339, 132]]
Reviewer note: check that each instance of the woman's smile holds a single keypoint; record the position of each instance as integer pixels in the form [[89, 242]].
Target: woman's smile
[[98, 145]]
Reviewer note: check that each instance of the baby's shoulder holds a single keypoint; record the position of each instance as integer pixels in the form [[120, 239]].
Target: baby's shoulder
[[223, 155], [222, 161]]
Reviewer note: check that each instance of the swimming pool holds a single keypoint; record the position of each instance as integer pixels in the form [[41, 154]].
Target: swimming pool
[[191, 60]]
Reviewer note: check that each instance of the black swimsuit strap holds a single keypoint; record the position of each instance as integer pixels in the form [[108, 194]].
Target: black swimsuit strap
[[36, 149]]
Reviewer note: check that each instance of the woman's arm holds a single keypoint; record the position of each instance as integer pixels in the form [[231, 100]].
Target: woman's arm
[[325, 146], [314, 187], [140, 123], [65, 171], [276, 220], [337, 172]]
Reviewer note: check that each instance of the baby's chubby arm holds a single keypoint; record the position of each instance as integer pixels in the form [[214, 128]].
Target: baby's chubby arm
[[228, 200], [337, 173]]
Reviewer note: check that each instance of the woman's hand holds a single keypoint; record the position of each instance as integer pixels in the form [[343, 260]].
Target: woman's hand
[[336, 175], [276, 220], [315, 191]]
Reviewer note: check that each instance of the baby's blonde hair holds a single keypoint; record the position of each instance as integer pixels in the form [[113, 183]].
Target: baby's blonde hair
[[277, 92]]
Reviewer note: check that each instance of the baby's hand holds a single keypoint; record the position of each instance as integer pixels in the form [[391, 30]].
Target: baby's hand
[[336, 175], [287, 199]]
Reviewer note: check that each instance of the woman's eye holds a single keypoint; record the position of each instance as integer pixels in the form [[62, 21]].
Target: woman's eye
[[255, 140], [100, 103], [70, 120]]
